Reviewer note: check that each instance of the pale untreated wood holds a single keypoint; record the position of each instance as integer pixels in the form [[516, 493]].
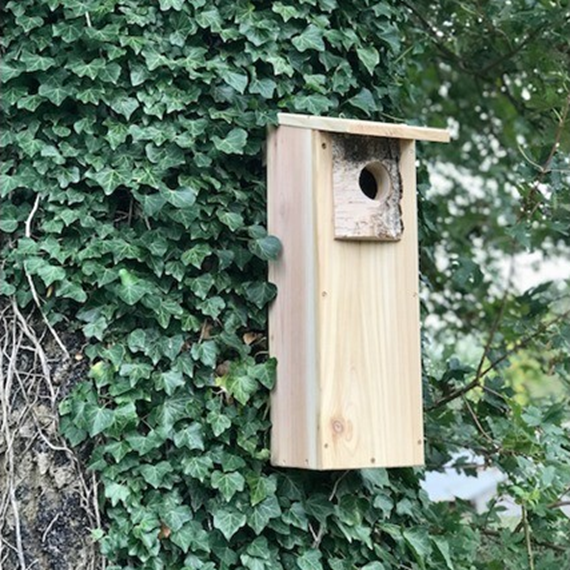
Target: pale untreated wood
[[370, 128], [345, 326], [356, 215], [292, 334], [370, 411]]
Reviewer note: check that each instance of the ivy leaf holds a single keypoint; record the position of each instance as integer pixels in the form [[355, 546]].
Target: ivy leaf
[[109, 179], [296, 516], [198, 467], [442, 547], [125, 106], [266, 372], [264, 87], [206, 352], [191, 536], [228, 522], [369, 56], [311, 38], [236, 80], [261, 487], [190, 437], [50, 273], [259, 518], [266, 248], [175, 517], [110, 73], [98, 419], [156, 474], [310, 560], [152, 203], [227, 483], [196, 255], [234, 143], [418, 542], [84, 69], [116, 492], [131, 290], [242, 387], [364, 100], [232, 220], [171, 380], [53, 91], [181, 198], [72, 291], [260, 293], [219, 422]]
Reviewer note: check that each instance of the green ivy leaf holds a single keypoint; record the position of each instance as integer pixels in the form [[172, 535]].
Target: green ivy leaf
[[50, 273], [170, 381], [266, 248], [191, 536], [442, 547], [125, 106], [219, 422], [116, 492], [259, 518], [53, 91], [236, 80], [176, 516], [310, 560], [227, 483], [98, 419], [181, 198], [369, 56], [261, 487], [190, 437], [242, 387], [310, 39], [132, 289], [109, 179], [418, 542], [234, 143], [156, 475], [198, 467], [206, 352], [228, 522]]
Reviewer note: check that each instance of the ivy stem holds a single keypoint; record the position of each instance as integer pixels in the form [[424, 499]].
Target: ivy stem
[[527, 538]]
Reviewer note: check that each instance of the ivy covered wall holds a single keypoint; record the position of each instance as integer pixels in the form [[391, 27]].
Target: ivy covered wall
[[133, 209]]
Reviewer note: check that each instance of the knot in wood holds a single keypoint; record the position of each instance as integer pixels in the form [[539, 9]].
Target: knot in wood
[[338, 426]]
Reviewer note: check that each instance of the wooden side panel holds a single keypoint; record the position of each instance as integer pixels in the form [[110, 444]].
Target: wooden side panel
[[292, 333], [369, 342]]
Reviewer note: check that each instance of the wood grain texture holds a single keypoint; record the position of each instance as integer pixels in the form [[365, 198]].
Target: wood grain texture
[[345, 324], [357, 216], [292, 334], [370, 128], [370, 411]]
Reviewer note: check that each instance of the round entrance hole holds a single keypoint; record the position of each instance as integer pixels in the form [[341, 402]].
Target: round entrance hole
[[374, 181]]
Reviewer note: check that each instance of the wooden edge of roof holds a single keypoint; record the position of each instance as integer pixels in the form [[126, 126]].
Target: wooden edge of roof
[[367, 128]]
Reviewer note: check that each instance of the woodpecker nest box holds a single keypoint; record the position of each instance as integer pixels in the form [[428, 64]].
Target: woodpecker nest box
[[345, 326]]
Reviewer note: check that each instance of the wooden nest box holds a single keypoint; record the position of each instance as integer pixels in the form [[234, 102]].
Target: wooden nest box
[[345, 326]]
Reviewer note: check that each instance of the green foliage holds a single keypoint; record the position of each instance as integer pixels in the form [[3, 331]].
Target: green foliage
[[499, 74], [132, 200]]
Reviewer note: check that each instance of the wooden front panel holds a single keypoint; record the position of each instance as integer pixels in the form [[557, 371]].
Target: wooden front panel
[[370, 397], [292, 322]]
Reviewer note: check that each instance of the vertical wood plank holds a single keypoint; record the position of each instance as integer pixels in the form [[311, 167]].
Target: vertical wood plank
[[368, 326], [292, 333]]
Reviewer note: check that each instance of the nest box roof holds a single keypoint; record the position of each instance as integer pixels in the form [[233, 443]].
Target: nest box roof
[[366, 128]]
